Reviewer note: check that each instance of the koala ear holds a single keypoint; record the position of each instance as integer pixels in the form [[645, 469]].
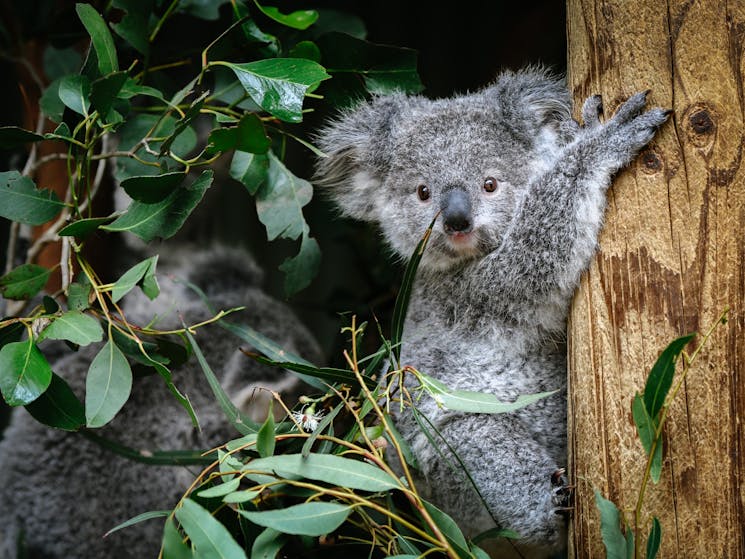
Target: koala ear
[[530, 100], [358, 147]]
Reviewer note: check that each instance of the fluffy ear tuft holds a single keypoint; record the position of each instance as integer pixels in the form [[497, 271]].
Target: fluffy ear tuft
[[359, 144], [531, 99]]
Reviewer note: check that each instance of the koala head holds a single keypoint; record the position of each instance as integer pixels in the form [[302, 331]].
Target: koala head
[[400, 160]]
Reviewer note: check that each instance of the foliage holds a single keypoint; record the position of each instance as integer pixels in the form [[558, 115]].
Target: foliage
[[649, 409], [161, 121]]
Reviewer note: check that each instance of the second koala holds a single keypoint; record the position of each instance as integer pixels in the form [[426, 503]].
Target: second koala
[[521, 190]]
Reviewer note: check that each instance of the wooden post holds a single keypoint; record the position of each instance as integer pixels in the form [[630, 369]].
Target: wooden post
[[671, 259]]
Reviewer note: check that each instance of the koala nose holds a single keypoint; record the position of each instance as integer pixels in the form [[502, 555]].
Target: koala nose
[[456, 211]]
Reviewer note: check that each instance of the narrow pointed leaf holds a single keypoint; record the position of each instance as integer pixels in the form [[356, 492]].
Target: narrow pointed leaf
[[101, 38], [241, 496], [21, 201], [654, 539], [75, 327], [307, 519], [173, 545], [83, 227], [139, 518], [646, 426], [152, 188], [220, 490], [610, 527], [208, 536], [327, 374], [265, 440], [162, 219], [661, 376], [329, 468], [13, 137], [107, 386], [24, 282], [268, 544], [58, 407], [134, 276], [24, 373]]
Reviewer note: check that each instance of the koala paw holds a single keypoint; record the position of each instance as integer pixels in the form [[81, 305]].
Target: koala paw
[[562, 494]]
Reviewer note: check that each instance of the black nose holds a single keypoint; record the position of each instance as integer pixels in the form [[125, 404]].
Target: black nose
[[456, 211]]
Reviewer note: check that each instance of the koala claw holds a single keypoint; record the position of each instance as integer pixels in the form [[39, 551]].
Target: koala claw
[[591, 111], [562, 492]]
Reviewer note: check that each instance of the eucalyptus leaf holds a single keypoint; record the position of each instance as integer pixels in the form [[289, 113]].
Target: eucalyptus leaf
[[24, 282], [50, 103], [654, 539], [265, 439], [135, 27], [60, 62], [101, 38], [74, 92], [268, 544], [105, 90], [24, 373], [300, 19], [208, 536], [162, 219], [21, 201], [75, 327], [329, 468], [58, 406], [610, 528], [151, 189], [646, 426], [661, 376], [83, 227], [280, 202], [241, 496], [135, 275], [220, 490], [279, 85], [302, 268], [78, 294], [248, 136], [306, 519], [173, 545], [13, 137], [139, 518], [107, 386], [251, 170], [448, 527]]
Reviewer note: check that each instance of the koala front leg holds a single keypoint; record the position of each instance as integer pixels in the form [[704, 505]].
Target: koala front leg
[[519, 482], [554, 233]]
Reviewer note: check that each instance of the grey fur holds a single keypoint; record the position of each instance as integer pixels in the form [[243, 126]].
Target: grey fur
[[64, 492], [488, 311]]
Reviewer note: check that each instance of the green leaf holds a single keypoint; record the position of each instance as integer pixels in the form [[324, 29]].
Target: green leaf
[[654, 539], [24, 282], [249, 136], [385, 69], [250, 169], [135, 27], [24, 373], [241, 496], [301, 19], [280, 202], [306, 519], [105, 90], [242, 423], [151, 189], [173, 545], [162, 219], [220, 490], [303, 267], [449, 528], [306, 49], [107, 385], [101, 39], [278, 85], [21, 201], [495, 533], [209, 537], [265, 440], [661, 376], [60, 62], [202, 9], [476, 402], [406, 451], [58, 407], [646, 426], [13, 136], [83, 227], [50, 103], [75, 327], [329, 468], [610, 528], [184, 122], [74, 92], [139, 518], [131, 89], [322, 426], [78, 295], [136, 274], [268, 544], [328, 374]]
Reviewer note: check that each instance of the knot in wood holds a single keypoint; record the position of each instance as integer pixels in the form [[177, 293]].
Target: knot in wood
[[700, 124], [651, 162]]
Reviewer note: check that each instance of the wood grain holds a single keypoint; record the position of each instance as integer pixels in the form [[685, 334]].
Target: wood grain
[[670, 261]]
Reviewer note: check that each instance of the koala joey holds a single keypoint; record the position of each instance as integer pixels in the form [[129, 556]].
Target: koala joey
[[520, 190], [60, 492]]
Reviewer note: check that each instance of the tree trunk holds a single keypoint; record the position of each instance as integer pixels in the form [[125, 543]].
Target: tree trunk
[[670, 261]]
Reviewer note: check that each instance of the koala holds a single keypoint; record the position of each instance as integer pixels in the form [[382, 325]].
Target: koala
[[519, 191], [60, 492]]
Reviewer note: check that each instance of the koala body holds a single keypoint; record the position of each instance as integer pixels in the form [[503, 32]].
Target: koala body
[[520, 189], [60, 492]]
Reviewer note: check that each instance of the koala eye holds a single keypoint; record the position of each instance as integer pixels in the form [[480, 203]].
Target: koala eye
[[490, 184], [423, 192]]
